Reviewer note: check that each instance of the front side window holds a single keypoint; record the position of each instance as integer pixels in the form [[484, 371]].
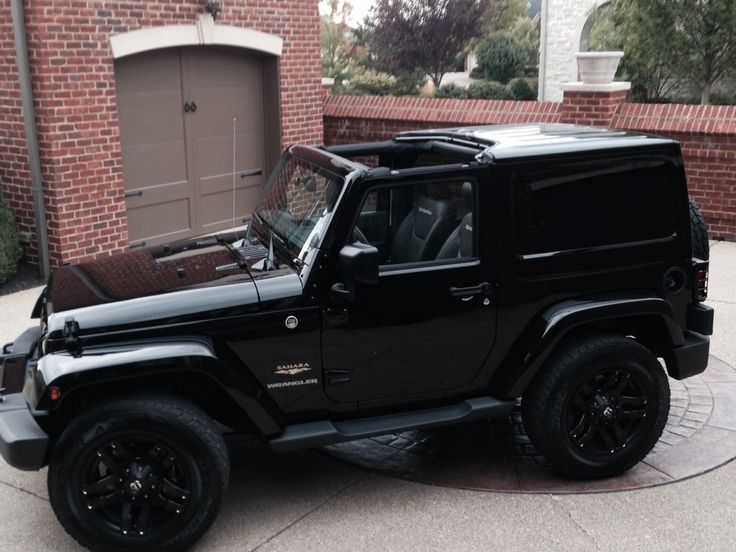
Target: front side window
[[418, 223]]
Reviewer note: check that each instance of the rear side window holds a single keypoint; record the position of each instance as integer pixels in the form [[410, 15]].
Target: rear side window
[[603, 205]]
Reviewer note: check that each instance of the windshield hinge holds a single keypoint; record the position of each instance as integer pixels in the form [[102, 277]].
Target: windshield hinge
[[71, 334]]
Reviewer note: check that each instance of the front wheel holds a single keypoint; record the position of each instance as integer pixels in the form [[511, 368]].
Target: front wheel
[[145, 473], [598, 407]]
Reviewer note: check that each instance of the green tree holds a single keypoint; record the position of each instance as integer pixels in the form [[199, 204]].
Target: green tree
[[526, 32], [500, 57], [668, 40], [405, 35], [502, 15], [335, 41]]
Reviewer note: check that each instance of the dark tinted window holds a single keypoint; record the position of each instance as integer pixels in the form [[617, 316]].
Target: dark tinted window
[[602, 205]]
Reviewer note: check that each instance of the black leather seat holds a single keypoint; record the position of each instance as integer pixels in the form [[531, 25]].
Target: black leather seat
[[423, 231], [460, 241]]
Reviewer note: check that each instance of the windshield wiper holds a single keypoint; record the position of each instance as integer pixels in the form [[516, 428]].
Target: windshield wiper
[[239, 261]]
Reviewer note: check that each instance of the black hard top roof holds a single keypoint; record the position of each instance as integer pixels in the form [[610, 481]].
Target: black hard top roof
[[528, 140]]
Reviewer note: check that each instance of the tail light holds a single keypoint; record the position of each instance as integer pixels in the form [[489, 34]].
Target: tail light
[[700, 289]]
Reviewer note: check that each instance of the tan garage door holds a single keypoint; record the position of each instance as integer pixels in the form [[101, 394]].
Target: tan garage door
[[183, 113]]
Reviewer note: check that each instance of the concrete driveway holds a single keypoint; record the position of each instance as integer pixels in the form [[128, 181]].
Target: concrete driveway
[[309, 501]]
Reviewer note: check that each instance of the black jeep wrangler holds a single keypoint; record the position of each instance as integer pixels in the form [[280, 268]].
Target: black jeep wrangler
[[432, 279]]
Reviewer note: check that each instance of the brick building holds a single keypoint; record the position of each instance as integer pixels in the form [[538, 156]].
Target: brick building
[[148, 113]]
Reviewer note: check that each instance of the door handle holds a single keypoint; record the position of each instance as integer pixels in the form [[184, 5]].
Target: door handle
[[187, 107], [470, 291], [253, 172]]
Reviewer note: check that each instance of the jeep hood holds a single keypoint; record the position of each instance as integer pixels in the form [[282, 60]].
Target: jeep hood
[[141, 273], [140, 290]]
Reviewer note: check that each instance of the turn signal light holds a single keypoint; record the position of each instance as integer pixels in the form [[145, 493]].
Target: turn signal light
[[54, 393]]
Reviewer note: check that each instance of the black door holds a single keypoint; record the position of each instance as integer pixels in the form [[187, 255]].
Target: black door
[[427, 326]]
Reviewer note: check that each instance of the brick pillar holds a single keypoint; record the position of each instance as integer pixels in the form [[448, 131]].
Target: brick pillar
[[592, 104]]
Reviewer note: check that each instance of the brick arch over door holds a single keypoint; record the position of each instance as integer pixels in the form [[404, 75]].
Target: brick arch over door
[[188, 116]]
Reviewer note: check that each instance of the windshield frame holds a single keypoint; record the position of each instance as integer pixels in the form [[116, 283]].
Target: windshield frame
[[301, 257]]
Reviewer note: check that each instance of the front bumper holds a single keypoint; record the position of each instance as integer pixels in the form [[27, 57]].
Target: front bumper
[[23, 443]]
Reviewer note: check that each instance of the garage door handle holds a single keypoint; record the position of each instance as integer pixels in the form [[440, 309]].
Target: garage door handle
[[254, 172], [194, 107], [139, 193], [190, 107]]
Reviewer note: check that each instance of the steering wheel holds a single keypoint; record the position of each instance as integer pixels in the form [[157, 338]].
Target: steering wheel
[[359, 236]]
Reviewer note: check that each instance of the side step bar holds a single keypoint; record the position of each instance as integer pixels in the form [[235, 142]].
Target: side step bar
[[325, 432]]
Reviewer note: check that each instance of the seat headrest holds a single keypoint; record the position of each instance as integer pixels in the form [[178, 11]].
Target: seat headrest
[[427, 212], [468, 195]]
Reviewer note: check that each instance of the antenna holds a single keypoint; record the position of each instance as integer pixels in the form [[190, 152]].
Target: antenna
[[234, 123]]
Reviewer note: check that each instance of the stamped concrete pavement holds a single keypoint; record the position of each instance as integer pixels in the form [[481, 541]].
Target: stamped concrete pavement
[[309, 501]]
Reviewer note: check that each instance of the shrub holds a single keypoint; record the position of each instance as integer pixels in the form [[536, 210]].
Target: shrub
[[500, 57], [409, 84], [9, 246], [370, 82], [489, 90], [476, 73], [521, 90], [450, 90], [717, 98]]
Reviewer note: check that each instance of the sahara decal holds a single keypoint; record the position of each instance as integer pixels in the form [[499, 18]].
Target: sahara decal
[[292, 369]]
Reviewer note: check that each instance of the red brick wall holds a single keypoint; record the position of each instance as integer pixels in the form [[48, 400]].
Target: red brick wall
[[367, 118], [14, 174], [73, 81], [707, 133], [708, 137], [591, 108]]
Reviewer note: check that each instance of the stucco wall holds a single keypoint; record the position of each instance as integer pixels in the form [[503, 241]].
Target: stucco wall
[[562, 26]]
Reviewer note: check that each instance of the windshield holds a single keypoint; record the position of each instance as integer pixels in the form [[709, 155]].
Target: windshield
[[296, 205]]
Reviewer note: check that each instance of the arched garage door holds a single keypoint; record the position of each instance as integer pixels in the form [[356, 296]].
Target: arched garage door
[[176, 108]]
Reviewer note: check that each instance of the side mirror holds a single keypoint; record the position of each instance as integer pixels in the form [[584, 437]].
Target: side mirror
[[310, 183], [357, 263]]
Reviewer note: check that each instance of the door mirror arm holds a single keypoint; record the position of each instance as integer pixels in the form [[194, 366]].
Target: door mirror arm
[[340, 295]]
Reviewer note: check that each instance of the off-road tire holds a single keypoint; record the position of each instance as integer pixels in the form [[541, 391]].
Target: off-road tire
[[548, 402], [181, 426], [698, 232]]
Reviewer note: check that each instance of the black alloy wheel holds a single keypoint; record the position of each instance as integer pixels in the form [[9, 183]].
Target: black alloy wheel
[[137, 485], [606, 412], [147, 474], [598, 406]]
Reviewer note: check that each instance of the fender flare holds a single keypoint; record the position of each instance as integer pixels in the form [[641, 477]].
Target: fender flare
[[543, 334], [96, 365]]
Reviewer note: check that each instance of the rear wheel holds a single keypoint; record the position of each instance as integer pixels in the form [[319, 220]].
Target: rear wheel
[[146, 473], [598, 407]]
